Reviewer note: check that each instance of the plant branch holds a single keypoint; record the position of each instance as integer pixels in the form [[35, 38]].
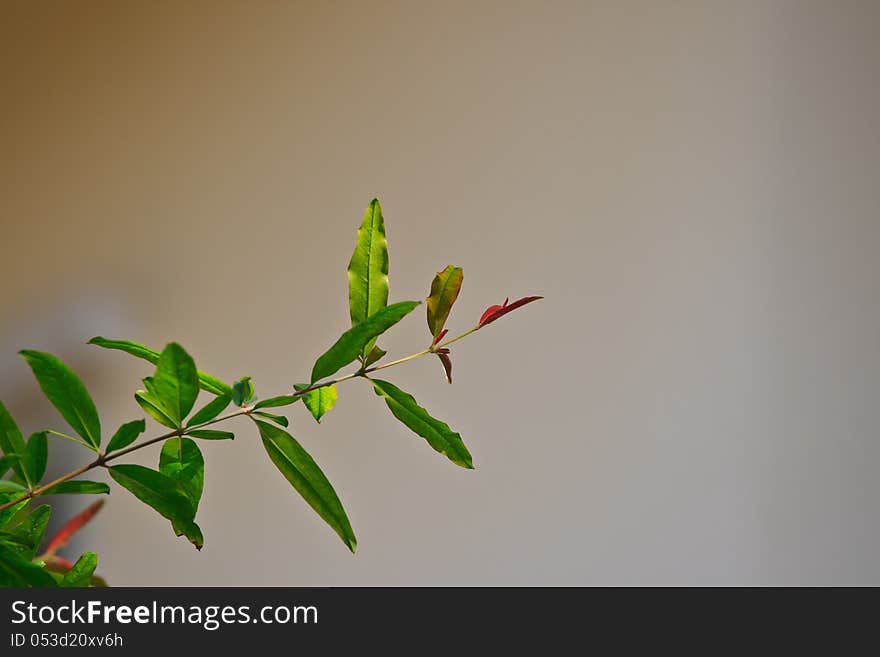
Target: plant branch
[[103, 459]]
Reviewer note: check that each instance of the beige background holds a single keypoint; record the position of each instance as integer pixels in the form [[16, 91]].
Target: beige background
[[692, 185]]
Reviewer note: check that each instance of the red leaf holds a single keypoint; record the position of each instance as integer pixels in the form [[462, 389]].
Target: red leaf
[[440, 336], [443, 355], [494, 312], [72, 527]]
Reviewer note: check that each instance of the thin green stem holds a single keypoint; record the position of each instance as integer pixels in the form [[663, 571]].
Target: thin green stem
[[103, 459]]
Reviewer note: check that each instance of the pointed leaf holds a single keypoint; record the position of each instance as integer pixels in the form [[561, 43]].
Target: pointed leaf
[[275, 402], [277, 419], [182, 460], [11, 442], [176, 382], [447, 365], [368, 270], [79, 487], [444, 291], [210, 410], [320, 400], [242, 391], [18, 572], [6, 463], [154, 409], [72, 526], [7, 486], [81, 573], [207, 382], [347, 348], [155, 489], [437, 433], [126, 435], [7, 495], [191, 530], [306, 477], [494, 312], [35, 457], [374, 356], [31, 531], [211, 434], [67, 393]]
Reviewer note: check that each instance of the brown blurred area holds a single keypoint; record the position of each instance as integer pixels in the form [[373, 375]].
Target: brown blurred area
[[693, 186]]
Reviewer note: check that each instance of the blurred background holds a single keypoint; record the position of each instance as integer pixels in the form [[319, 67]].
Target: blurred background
[[692, 185]]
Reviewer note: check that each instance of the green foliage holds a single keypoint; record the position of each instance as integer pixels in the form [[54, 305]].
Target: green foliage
[[175, 385], [81, 573], [30, 530], [444, 291], [18, 571], [437, 433], [11, 442], [210, 410], [207, 382], [181, 460], [319, 401], [67, 393], [158, 490], [169, 397], [78, 487], [210, 434], [243, 391], [35, 458], [154, 409], [368, 271], [306, 477], [275, 402], [126, 435], [277, 419], [347, 348]]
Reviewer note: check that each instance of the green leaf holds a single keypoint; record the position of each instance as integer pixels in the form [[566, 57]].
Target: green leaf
[[306, 477], [81, 573], [155, 489], [154, 409], [207, 382], [368, 270], [31, 529], [176, 382], [18, 572], [181, 460], [79, 487], [242, 391], [11, 442], [275, 402], [7, 486], [444, 291], [35, 457], [8, 495], [6, 463], [191, 530], [211, 434], [210, 410], [277, 419], [126, 435], [67, 393], [347, 348], [320, 400], [437, 433]]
